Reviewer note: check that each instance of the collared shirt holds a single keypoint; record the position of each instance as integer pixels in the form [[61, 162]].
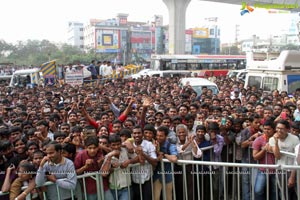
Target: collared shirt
[[218, 150], [142, 173], [187, 153], [90, 183], [120, 178], [269, 158], [92, 69], [246, 152], [66, 178], [167, 166]]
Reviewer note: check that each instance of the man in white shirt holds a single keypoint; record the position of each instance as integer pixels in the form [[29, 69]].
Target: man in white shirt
[[284, 141], [107, 71], [101, 69], [146, 152]]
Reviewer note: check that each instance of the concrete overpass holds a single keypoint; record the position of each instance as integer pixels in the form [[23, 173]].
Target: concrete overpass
[[177, 14]]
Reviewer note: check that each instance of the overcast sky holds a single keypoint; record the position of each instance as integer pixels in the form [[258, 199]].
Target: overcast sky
[[48, 19]]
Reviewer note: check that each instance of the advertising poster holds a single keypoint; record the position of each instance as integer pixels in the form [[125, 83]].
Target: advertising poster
[[108, 41]]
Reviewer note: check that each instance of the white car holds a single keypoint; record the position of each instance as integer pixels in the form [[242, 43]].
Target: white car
[[141, 73], [198, 83]]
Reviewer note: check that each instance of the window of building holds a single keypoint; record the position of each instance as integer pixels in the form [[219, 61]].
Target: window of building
[[81, 29], [81, 38]]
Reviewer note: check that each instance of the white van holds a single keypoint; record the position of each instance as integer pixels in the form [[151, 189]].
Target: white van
[[239, 74], [198, 83], [25, 78], [282, 73]]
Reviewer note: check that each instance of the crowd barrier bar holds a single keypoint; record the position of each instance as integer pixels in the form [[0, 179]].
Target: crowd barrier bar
[[224, 166]]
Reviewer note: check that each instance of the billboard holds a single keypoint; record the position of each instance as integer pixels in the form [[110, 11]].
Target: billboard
[[108, 41], [200, 33]]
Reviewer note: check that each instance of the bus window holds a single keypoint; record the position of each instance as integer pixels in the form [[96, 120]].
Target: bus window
[[181, 66], [270, 83], [254, 81]]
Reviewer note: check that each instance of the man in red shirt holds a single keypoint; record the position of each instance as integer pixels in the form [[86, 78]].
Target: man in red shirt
[[88, 161]]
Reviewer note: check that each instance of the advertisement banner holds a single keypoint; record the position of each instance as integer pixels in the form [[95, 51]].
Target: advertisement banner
[[107, 41], [74, 77], [200, 33]]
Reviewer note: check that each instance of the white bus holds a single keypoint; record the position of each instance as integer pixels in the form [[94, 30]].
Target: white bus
[[282, 73]]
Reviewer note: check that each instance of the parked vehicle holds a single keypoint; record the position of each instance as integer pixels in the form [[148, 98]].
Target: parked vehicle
[[26, 78], [198, 83], [170, 73], [239, 74], [141, 73], [282, 73]]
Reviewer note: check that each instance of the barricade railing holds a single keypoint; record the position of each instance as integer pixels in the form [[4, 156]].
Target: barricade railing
[[205, 184]]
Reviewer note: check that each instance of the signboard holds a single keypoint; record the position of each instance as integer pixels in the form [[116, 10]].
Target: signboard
[[74, 77], [107, 41], [200, 33]]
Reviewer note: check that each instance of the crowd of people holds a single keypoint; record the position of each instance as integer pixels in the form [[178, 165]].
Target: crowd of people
[[57, 133]]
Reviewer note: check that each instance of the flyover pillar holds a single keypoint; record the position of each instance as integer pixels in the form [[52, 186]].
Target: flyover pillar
[[177, 11]]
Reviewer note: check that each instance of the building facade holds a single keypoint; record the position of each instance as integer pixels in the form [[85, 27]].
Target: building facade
[[75, 34], [128, 41]]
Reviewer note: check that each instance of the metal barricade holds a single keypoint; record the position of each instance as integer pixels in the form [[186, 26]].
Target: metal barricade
[[204, 174]]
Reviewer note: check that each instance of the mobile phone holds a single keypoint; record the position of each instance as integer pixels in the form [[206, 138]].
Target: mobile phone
[[223, 121], [283, 115]]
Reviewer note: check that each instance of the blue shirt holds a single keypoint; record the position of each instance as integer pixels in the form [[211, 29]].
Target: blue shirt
[[206, 153], [92, 69], [167, 166]]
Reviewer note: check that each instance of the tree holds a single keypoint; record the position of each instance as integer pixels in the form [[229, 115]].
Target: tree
[[34, 52]]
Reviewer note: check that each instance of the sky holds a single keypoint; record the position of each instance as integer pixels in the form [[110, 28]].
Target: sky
[[48, 19]]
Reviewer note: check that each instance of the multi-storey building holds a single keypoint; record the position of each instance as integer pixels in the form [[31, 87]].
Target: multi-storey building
[[128, 41], [75, 34]]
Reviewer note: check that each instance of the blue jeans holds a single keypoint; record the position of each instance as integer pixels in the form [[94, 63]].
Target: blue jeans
[[108, 195], [248, 179], [261, 186], [123, 194], [91, 196], [246, 183]]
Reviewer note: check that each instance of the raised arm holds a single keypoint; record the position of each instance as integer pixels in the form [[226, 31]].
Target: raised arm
[[7, 182], [146, 103]]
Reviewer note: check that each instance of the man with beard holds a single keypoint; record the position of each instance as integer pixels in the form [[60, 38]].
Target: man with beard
[[59, 170]]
